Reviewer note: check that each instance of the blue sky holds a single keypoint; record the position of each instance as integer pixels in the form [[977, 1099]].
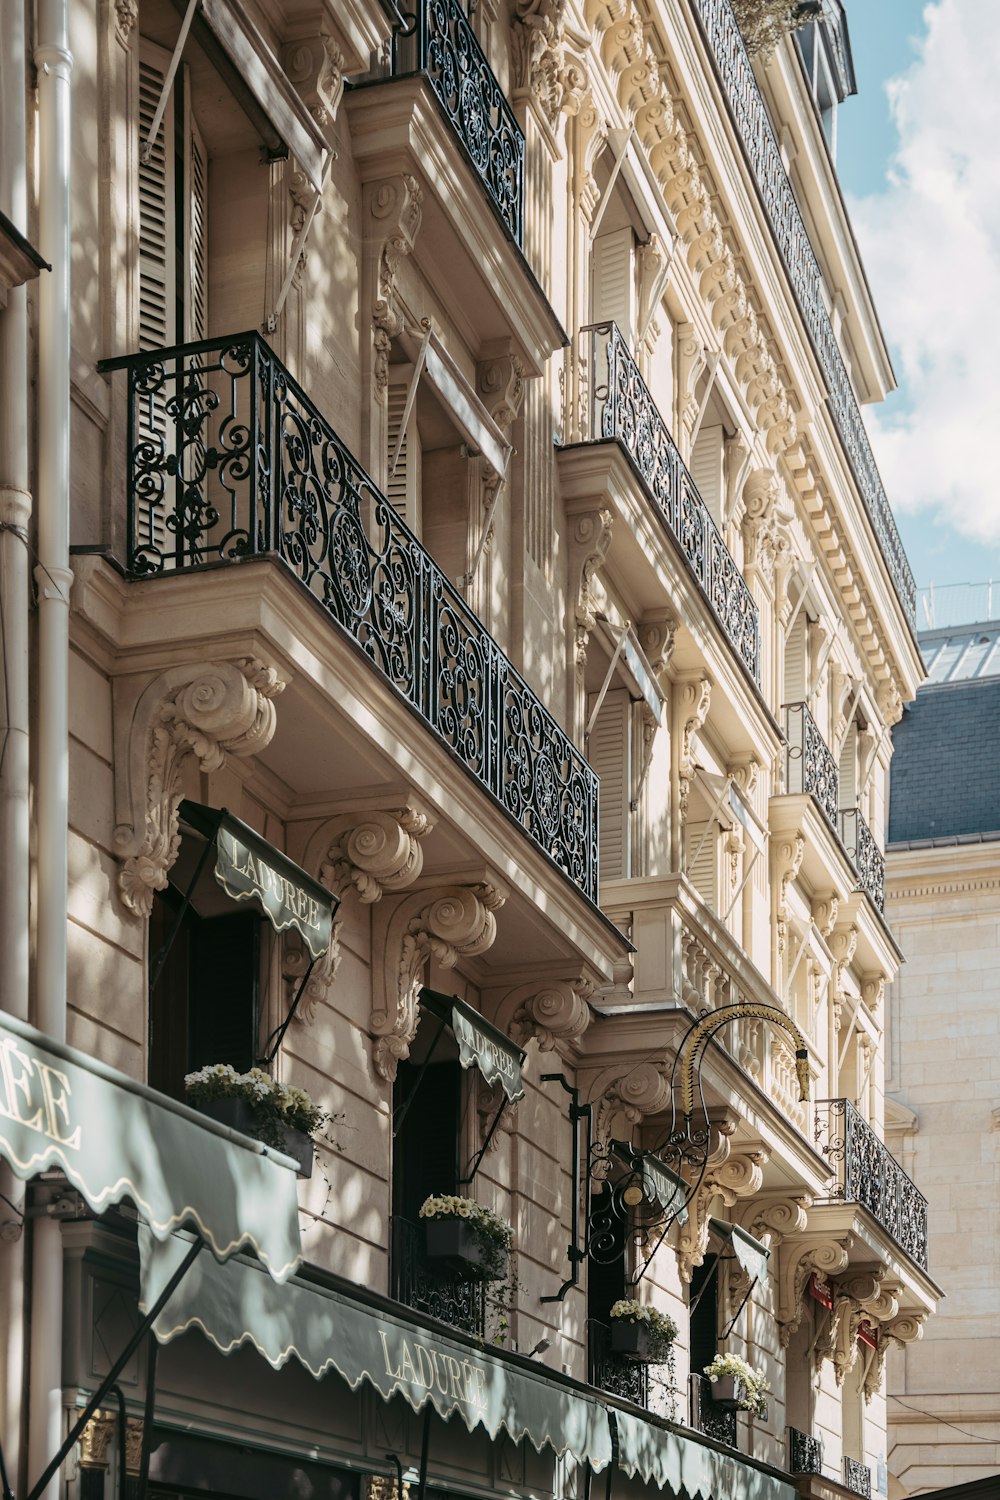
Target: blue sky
[[915, 157]]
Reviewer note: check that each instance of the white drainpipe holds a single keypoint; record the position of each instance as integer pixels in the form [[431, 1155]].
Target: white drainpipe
[[54, 63], [15, 514]]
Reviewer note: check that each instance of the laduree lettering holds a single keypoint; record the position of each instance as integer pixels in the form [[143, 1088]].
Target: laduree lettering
[[36, 1095], [272, 886], [429, 1369]]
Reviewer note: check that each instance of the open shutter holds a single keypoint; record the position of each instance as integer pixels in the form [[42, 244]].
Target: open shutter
[[157, 287], [195, 230], [795, 661], [613, 281], [707, 468], [402, 487], [610, 753], [848, 781], [703, 872]]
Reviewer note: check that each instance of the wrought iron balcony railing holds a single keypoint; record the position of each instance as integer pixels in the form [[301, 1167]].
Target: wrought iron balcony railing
[[809, 765], [438, 41], [857, 1477], [431, 1289], [229, 459], [648, 1385], [869, 1174], [805, 1452], [864, 854], [707, 1416], [622, 408], [760, 145]]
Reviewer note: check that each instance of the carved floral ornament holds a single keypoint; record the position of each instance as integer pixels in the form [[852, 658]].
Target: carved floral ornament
[[202, 711], [544, 67], [393, 222], [693, 697]]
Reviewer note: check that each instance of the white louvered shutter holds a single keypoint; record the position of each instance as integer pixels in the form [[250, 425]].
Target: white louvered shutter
[[613, 281], [795, 661], [703, 871], [195, 231], [609, 751], [848, 780], [707, 468], [402, 487]]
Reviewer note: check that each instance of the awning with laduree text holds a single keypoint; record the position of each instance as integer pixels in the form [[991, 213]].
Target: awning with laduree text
[[673, 1462], [116, 1139], [328, 1330]]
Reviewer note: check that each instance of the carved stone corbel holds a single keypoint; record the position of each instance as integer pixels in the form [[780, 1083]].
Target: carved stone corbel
[[695, 696], [588, 552], [788, 856], [851, 1308], [741, 1175], [843, 943], [625, 1103], [824, 909], [393, 215], [542, 68], [798, 1261], [555, 1016], [772, 1219], [445, 924], [902, 1330], [315, 64], [208, 711], [873, 992], [500, 385], [765, 534], [890, 703], [658, 637]]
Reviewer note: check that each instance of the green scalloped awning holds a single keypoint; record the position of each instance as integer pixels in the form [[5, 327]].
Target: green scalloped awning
[[116, 1139], [673, 1462]]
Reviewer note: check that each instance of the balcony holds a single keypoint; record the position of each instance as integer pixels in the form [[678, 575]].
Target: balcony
[[438, 42], [432, 1290], [760, 146], [228, 461], [810, 768], [868, 1174], [707, 1416], [648, 1385], [857, 1477], [805, 1452], [622, 410], [865, 855]]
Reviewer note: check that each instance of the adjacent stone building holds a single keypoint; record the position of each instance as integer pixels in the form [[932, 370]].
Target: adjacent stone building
[[943, 1063]]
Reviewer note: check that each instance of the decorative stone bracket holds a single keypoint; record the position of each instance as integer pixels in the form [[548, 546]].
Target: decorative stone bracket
[[693, 699], [445, 923], [392, 221], [205, 710], [315, 64], [898, 1332], [797, 1262], [737, 1176], [626, 1101], [555, 1015]]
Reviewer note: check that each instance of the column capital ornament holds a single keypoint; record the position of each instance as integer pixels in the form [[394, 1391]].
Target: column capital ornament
[[392, 222], [445, 923], [205, 711], [95, 1440], [739, 1175]]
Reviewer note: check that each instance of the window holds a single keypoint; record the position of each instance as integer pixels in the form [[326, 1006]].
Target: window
[[623, 706], [613, 288]]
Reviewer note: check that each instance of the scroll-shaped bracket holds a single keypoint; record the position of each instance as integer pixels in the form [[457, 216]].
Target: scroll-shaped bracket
[[632, 1193]]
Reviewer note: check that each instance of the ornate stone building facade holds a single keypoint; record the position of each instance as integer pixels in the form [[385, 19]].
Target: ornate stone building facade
[[942, 883], [419, 419]]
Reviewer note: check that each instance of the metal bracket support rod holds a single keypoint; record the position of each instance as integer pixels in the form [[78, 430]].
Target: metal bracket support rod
[[464, 1181], [850, 713], [41, 1484], [467, 579], [168, 83], [805, 572], [739, 890], [607, 680], [411, 396], [616, 168], [278, 1034], [713, 369]]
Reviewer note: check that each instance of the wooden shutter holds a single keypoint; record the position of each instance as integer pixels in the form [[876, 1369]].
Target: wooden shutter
[[157, 259], [795, 661], [849, 767], [707, 469], [402, 487], [610, 753], [613, 281], [703, 872], [195, 230]]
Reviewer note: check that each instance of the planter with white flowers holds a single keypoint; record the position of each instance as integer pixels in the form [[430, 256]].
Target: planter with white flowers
[[737, 1386], [640, 1332], [257, 1105], [470, 1241]]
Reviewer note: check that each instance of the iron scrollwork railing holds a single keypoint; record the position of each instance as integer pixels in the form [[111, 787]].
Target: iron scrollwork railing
[[810, 767], [229, 459], [622, 408], [864, 854], [868, 1173], [857, 1477], [805, 1452], [707, 1416], [649, 1385], [438, 41], [433, 1290], [764, 156]]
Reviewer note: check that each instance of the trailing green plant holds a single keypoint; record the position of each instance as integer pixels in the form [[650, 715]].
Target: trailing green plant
[[753, 1384], [274, 1104], [660, 1325], [493, 1233], [764, 23]]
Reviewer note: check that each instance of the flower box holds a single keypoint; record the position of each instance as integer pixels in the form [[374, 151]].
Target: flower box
[[456, 1244], [239, 1114], [727, 1391], [636, 1341]]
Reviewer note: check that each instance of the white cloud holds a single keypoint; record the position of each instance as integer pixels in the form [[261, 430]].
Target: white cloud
[[930, 241]]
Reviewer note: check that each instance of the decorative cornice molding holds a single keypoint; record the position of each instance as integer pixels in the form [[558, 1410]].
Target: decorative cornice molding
[[208, 711]]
